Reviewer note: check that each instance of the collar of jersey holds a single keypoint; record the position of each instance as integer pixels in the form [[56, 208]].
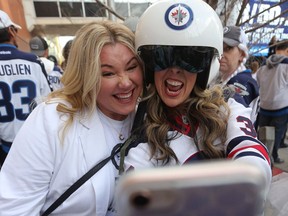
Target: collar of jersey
[[8, 45]]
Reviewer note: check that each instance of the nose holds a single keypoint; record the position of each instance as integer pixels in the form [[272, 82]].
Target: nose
[[220, 57], [175, 69], [125, 81]]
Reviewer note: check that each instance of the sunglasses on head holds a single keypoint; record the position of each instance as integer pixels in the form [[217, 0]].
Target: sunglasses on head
[[191, 59]]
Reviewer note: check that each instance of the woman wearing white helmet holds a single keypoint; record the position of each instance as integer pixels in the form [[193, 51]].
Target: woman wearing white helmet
[[180, 43]]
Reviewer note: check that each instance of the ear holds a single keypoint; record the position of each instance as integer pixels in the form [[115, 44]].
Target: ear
[[242, 55], [286, 52], [46, 52], [12, 32]]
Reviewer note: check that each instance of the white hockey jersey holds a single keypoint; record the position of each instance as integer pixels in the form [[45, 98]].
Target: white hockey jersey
[[241, 144], [22, 79], [54, 73]]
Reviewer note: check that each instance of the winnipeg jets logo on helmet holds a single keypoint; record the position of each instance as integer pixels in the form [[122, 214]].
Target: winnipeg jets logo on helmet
[[179, 16]]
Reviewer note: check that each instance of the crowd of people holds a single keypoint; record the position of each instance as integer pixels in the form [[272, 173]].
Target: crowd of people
[[40, 48], [182, 100]]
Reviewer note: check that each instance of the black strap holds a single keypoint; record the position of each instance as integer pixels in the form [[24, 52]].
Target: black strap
[[81, 181], [136, 136], [136, 124], [139, 117]]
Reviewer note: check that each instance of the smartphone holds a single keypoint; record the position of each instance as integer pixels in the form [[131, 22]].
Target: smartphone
[[218, 188]]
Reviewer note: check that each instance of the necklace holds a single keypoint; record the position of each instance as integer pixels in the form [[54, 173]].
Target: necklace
[[117, 126], [121, 136]]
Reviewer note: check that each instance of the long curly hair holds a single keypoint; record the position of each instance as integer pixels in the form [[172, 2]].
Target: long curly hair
[[207, 109]]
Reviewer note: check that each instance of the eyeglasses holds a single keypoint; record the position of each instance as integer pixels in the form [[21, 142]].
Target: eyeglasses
[[191, 59]]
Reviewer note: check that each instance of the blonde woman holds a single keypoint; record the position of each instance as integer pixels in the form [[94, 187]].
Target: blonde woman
[[76, 128]]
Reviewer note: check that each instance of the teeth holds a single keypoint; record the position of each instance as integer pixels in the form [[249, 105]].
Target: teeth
[[124, 96], [174, 83], [172, 92]]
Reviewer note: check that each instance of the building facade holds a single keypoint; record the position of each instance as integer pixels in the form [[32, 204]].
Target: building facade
[[55, 18]]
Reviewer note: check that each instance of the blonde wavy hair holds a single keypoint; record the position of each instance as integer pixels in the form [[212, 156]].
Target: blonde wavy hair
[[206, 109], [82, 76]]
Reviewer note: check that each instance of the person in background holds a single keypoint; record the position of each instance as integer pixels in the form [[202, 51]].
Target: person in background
[[39, 47], [76, 127], [284, 143], [22, 80], [54, 59], [271, 44], [183, 120], [234, 76], [254, 67], [273, 81], [65, 53]]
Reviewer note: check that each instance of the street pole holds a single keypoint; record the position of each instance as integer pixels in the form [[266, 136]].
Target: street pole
[[111, 4]]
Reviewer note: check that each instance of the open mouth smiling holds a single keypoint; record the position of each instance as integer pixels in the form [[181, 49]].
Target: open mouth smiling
[[173, 87], [124, 96]]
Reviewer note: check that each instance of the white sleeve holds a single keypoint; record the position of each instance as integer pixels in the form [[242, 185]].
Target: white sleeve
[[138, 158], [26, 173], [45, 88], [242, 143]]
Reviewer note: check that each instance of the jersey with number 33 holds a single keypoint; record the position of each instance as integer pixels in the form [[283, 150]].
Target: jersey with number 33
[[22, 79]]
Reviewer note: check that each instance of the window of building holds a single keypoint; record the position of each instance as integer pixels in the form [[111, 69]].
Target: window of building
[[68, 8], [85, 8], [46, 9]]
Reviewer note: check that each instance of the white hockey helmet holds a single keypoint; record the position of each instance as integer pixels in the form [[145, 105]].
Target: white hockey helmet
[[184, 33]]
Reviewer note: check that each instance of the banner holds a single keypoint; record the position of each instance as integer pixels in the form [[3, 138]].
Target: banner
[[260, 38]]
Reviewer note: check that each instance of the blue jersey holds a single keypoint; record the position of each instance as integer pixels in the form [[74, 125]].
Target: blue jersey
[[246, 91], [245, 86], [23, 80]]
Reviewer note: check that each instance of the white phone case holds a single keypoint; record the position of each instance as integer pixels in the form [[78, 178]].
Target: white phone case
[[217, 188]]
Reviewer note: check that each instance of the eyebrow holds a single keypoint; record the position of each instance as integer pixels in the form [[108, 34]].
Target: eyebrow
[[111, 66], [226, 45]]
